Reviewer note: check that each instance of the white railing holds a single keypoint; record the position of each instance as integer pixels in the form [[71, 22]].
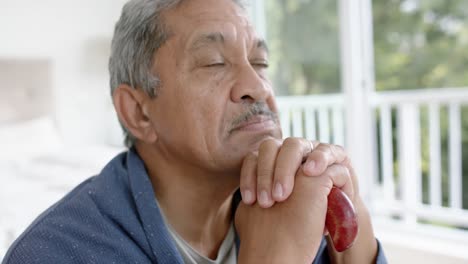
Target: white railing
[[402, 195], [318, 117], [397, 187]]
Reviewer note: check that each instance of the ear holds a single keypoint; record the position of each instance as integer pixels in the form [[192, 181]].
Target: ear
[[130, 106]]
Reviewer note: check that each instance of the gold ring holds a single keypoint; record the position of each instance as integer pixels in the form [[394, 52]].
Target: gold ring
[[311, 145]]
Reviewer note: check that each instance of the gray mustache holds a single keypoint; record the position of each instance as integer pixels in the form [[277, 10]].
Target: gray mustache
[[257, 108]]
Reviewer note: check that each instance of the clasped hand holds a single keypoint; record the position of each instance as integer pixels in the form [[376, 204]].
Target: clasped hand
[[268, 175], [284, 187]]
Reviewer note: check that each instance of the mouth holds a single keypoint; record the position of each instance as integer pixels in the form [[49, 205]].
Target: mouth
[[257, 123]]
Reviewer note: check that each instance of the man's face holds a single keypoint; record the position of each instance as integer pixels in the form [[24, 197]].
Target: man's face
[[215, 103]]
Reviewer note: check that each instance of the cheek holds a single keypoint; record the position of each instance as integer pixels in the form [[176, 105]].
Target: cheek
[[211, 112], [200, 114], [210, 94], [206, 94], [211, 83]]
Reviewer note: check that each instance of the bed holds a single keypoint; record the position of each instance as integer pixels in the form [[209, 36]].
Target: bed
[[37, 167]]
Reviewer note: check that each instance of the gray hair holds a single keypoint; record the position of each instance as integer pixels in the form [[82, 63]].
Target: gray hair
[[138, 34]]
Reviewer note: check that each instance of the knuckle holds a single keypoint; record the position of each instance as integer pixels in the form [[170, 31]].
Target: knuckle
[[336, 169], [269, 144], [345, 171], [330, 153], [339, 148], [251, 157], [246, 182], [262, 185], [316, 143], [281, 172], [322, 147], [334, 149], [265, 174], [292, 141], [346, 160], [320, 154], [277, 142], [339, 153]]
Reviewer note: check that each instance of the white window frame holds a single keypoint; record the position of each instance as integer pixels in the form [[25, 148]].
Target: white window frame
[[357, 75]]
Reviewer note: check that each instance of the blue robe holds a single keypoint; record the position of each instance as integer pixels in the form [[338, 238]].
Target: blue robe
[[110, 218]]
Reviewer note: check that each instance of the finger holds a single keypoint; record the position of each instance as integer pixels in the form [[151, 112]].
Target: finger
[[341, 178], [248, 178], [267, 154], [290, 157], [315, 144], [323, 156]]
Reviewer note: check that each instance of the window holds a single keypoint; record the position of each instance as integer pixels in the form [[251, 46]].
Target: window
[[420, 44], [303, 36]]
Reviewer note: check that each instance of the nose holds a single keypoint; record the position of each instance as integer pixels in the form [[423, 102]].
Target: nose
[[250, 87]]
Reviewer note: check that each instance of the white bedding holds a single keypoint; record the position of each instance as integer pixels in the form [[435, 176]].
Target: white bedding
[[32, 184]]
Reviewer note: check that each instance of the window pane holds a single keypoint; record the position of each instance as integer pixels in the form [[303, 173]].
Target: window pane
[[420, 43], [303, 37]]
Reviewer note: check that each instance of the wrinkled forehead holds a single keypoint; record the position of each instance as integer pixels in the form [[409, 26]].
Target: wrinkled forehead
[[210, 18]]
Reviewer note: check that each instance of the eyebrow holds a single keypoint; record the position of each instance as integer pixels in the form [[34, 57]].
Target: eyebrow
[[218, 38], [207, 39]]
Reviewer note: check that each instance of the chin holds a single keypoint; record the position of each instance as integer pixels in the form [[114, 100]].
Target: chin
[[243, 144], [260, 138], [244, 147]]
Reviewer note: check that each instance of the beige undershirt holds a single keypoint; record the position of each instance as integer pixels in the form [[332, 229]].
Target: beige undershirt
[[227, 253]]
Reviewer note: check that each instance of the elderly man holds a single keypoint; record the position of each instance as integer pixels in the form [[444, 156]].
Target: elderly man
[[190, 87]]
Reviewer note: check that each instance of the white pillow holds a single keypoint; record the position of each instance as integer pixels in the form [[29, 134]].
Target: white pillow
[[28, 139]]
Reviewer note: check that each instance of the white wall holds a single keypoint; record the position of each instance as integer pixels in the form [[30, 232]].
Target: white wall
[[75, 36]]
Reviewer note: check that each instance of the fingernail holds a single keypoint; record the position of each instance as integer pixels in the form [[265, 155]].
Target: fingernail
[[278, 191], [247, 196], [310, 166], [264, 199]]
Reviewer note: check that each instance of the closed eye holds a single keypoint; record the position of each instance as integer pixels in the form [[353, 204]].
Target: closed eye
[[217, 64], [260, 64]]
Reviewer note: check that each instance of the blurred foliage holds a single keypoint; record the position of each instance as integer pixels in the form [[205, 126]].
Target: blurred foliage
[[420, 44], [417, 44], [304, 39]]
